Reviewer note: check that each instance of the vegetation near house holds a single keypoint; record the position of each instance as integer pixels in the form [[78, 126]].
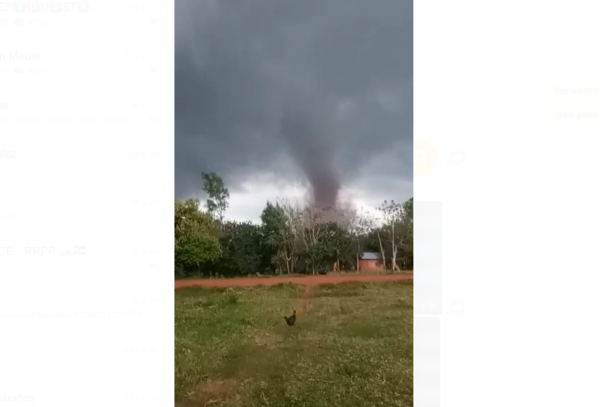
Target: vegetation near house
[[289, 239]]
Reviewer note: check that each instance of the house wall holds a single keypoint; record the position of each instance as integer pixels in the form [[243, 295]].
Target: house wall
[[370, 265]]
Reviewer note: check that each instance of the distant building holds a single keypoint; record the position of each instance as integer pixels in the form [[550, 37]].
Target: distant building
[[370, 261]]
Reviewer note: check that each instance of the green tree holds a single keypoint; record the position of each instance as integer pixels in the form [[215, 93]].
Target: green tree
[[312, 226], [406, 227], [392, 215], [336, 244], [273, 223], [288, 238], [279, 223], [360, 226], [242, 246], [394, 234], [218, 196], [195, 241]]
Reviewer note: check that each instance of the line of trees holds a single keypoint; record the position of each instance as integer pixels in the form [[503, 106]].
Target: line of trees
[[289, 239]]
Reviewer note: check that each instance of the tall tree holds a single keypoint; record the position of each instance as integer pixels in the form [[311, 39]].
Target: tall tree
[[195, 241], [360, 225], [311, 224], [335, 242], [379, 231], [392, 226], [273, 227], [290, 237], [241, 245], [407, 231], [280, 226], [218, 196]]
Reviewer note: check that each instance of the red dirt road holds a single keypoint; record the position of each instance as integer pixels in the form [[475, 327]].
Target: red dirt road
[[308, 281]]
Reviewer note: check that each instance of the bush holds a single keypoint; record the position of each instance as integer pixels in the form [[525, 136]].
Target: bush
[[195, 238]]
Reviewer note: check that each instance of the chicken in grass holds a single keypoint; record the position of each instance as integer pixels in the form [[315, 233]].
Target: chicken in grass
[[291, 320]]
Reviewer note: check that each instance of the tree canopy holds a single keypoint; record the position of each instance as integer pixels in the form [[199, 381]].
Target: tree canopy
[[289, 239]]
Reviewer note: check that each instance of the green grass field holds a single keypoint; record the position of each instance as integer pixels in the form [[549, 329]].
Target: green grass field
[[352, 345]]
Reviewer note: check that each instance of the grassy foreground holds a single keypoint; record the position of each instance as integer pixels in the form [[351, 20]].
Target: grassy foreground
[[352, 346]]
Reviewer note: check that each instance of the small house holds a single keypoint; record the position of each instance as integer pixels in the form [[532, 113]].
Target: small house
[[370, 261]]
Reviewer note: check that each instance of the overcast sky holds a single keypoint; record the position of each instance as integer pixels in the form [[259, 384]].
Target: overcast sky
[[287, 98]]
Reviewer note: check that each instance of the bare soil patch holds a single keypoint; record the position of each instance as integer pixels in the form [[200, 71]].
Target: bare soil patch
[[302, 305], [210, 391], [267, 339]]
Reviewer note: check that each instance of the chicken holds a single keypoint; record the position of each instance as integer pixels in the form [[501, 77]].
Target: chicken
[[291, 320]]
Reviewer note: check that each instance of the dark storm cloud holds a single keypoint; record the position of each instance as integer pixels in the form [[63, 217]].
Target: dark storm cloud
[[327, 83]]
